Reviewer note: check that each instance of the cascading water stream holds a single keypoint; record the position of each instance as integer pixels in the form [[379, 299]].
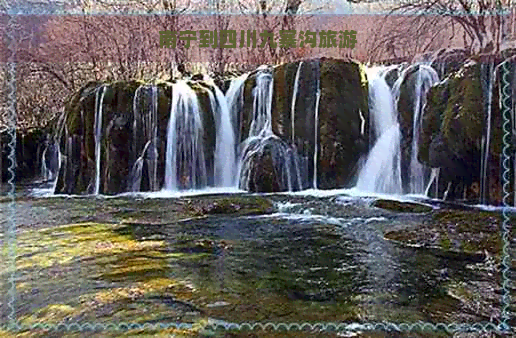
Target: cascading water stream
[[261, 125], [46, 173], [262, 138], [486, 137], [153, 128], [434, 177], [99, 101], [50, 159], [316, 129], [294, 98], [145, 108], [382, 170], [426, 77], [225, 145], [235, 100], [136, 172], [185, 165]]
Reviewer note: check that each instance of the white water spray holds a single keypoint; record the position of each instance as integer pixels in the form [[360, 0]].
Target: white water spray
[[382, 170], [185, 166], [225, 145], [294, 98], [235, 100], [99, 101], [316, 128], [426, 77]]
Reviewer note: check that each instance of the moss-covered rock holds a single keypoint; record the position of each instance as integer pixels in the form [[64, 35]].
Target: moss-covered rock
[[237, 205], [343, 122], [77, 174], [343, 116], [399, 206], [123, 139], [29, 147], [454, 124], [462, 234]]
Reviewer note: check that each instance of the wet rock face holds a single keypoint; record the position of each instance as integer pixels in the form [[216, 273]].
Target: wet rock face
[[453, 126], [30, 146], [77, 175], [393, 74], [343, 123], [134, 142], [406, 107], [125, 150], [343, 117]]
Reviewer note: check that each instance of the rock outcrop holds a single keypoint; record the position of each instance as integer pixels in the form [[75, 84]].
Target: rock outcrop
[[343, 118], [454, 129], [33, 147], [126, 150]]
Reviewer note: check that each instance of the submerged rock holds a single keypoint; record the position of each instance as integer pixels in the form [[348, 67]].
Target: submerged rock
[[245, 205], [400, 206], [456, 234]]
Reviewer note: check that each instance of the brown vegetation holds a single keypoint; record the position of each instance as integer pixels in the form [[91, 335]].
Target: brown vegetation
[[58, 54]]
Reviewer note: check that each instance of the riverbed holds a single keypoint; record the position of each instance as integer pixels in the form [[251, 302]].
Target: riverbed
[[199, 263]]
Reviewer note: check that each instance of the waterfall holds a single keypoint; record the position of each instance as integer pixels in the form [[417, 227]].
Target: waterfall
[[316, 129], [235, 100], [294, 98], [426, 77], [225, 145], [434, 176], [261, 125], [145, 129], [50, 161], [185, 165], [382, 170], [486, 137], [262, 139], [45, 172], [99, 100]]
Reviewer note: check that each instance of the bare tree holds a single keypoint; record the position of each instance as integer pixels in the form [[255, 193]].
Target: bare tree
[[480, 19]]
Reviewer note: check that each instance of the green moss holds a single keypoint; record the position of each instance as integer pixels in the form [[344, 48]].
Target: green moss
[[343, 110], [248, 205], [437, 99], [363, 76], [463, 110], [445, 242], [246, 114]]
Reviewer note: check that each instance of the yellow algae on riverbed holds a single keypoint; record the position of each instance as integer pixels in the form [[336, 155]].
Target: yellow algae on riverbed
[[63, 244]]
